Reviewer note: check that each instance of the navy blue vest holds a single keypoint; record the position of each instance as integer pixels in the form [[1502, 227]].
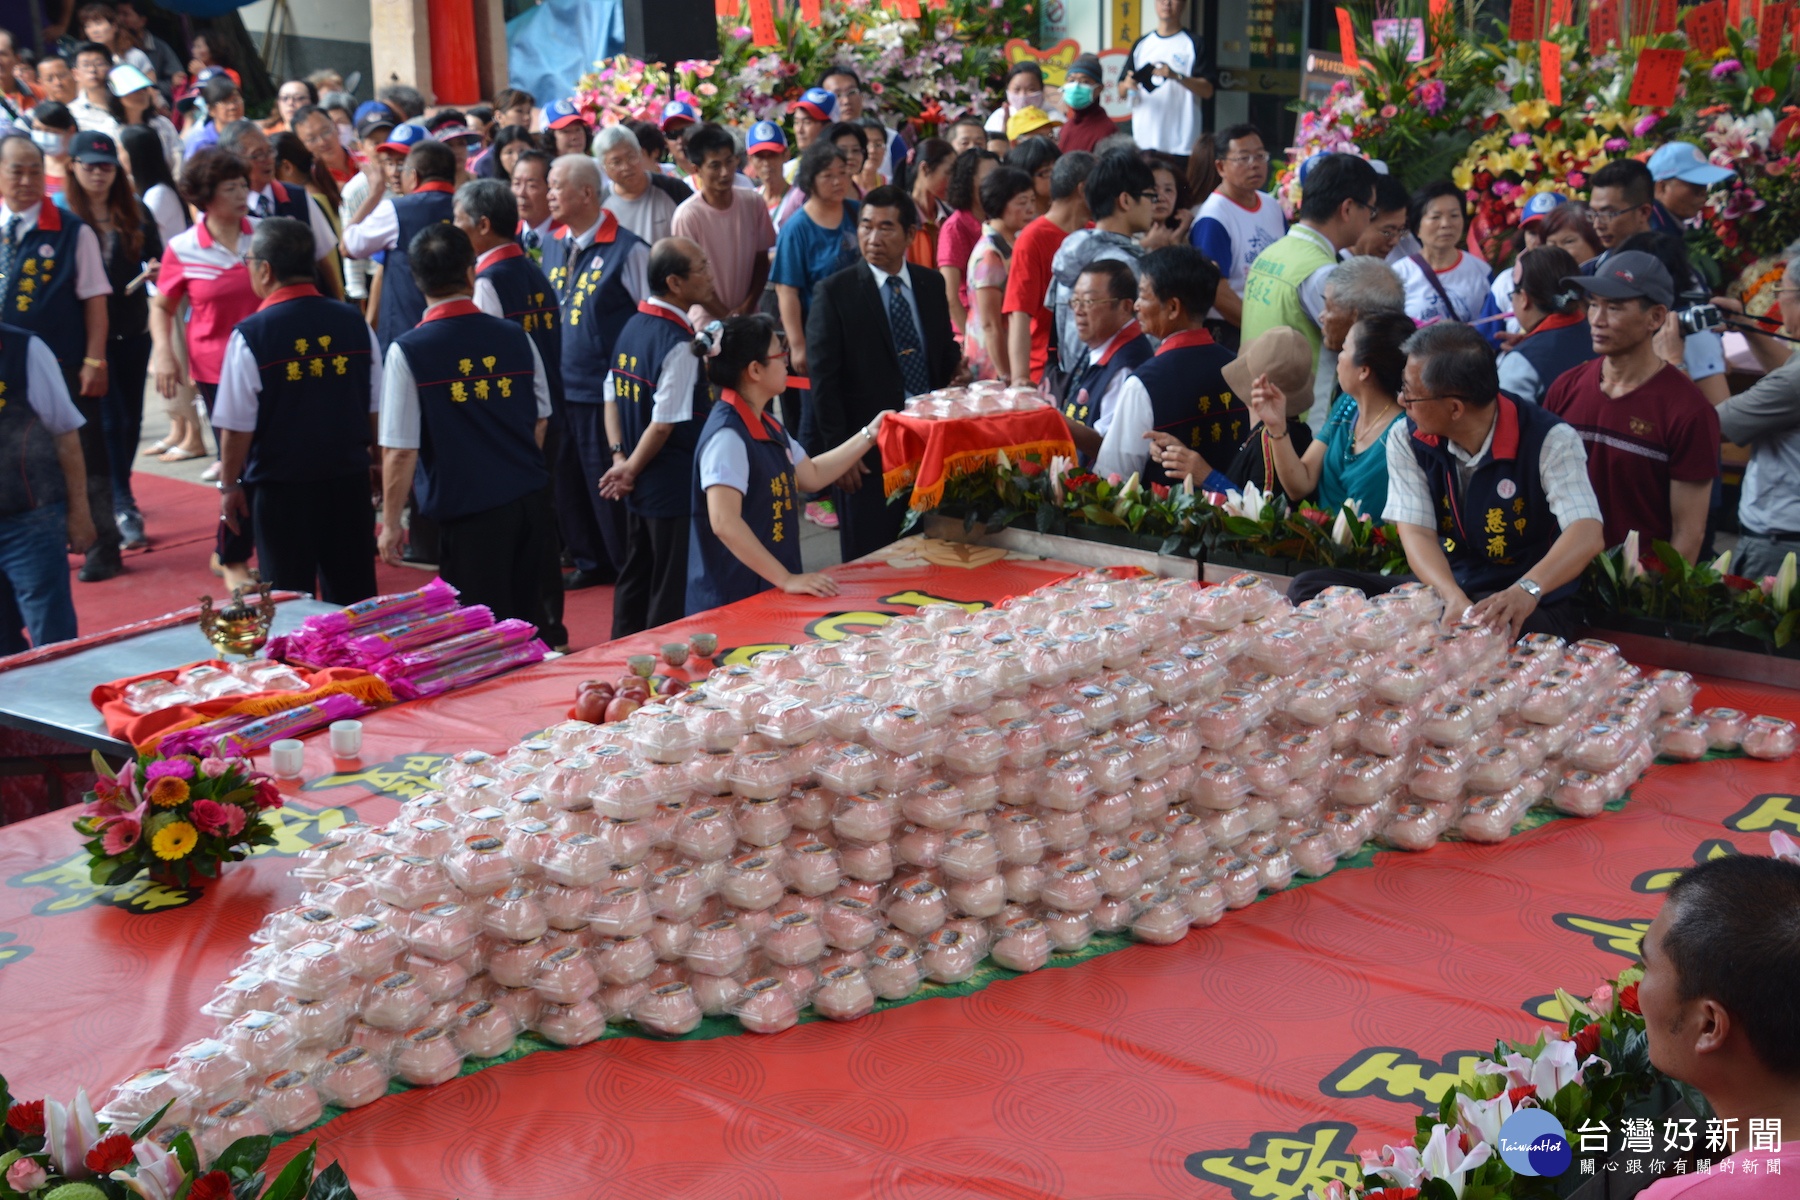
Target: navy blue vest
[[30, 471], [1126, 357], [1553, 351], [665, 489], [1496, 530], [1190, 400], [528, 301], [477, 412], [590, 286], [312, 416], [402, 303], [714, 574], [292, 202], [40, 296]]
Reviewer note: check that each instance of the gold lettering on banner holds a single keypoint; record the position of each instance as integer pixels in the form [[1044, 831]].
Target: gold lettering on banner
[[404, 778], [1655, 882], [1398, 1074], [1624, 936], [1282, 1166], [1765, 813], [296, 827]]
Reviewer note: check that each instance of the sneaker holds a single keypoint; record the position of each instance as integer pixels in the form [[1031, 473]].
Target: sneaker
[[131, 529], [821, 513], [211, 474]]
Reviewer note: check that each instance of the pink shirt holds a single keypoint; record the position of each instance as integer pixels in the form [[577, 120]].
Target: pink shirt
[[1746, 1175], [216, 283], [956, 241], [733, 239]]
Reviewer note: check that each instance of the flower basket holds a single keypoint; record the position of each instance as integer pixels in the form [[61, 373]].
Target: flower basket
[[180, 818]]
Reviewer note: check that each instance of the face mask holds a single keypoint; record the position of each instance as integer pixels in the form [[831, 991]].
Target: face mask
[[1025, 99], [346, 136], [49, 141], [1079, 95]]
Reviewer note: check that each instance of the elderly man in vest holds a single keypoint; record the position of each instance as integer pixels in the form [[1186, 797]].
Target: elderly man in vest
[[269, 197], [43, 494], [55, 286], [298, 388], [1286, 284], [600, 271], [1491, 495], [464, 403]]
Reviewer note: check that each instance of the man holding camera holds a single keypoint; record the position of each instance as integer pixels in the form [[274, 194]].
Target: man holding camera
[[1652, 439], [1766, 418]]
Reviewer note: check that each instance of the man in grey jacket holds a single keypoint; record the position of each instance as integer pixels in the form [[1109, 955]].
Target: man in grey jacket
[[1766, 418]]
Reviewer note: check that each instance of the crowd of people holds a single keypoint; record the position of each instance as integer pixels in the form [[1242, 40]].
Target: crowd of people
[[641, 352]]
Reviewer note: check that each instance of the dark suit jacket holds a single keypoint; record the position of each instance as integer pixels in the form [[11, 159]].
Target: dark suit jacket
[[851, 360]]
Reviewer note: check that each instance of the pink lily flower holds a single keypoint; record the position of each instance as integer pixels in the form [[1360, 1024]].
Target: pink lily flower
[[159, 1174], [69, 1133]]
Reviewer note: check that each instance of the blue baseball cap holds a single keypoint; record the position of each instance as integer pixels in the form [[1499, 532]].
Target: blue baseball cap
[[372, 108], [765, 135], [679, 110], [1541, 206], [1683, 161], [816, 103], [402, 138], [559, 113]]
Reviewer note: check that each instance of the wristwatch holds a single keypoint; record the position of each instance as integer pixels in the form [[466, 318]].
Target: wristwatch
[[1529, 587], [617, 448]]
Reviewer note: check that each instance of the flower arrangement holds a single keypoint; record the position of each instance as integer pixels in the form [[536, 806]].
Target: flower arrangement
[[1593, 1068], [1704, 597], [52, 1151], [1062, 497], [180, 818], [931, 69], [1482, 92]]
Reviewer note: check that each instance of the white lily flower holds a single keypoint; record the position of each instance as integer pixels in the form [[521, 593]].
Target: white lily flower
[[1131, 487], [1784, 583], [1722, 564], [1401, 1164], [1340, 529], [159, 1174], [69, 1133], [1633, 564], [1003, 462], [1444, 1159], [1482, 1119], [1187, 485]]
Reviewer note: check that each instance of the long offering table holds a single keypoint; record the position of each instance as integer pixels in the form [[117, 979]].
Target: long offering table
[[1255, 1056]]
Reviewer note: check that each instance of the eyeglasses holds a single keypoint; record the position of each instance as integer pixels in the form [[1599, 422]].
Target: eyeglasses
[[1249, 160], [1080, 304], [1152, 195], [1606, 216], [1406, 401]]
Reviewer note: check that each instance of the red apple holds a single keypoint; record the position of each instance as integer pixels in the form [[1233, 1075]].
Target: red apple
[[588, 685], [670, 686], [590, 706], [621, 707]]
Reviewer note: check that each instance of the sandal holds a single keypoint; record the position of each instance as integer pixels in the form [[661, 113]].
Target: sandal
[[156, 448], [180, 455]]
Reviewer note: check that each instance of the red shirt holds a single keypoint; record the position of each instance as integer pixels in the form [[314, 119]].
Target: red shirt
[[1085, 129], [216, 283], [1029, 282], [1638, 443]]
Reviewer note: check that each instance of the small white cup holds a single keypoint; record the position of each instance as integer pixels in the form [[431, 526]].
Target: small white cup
[[346, 739], [287, 757]]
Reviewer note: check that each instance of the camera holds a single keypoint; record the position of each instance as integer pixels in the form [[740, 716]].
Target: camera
[[1699, 319]]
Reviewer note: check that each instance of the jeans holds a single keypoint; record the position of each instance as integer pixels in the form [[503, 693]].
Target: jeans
[[34, 579]]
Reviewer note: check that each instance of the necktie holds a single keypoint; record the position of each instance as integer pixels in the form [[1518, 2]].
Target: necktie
[[531, 239], [9, 252], [906, 341], [259, 205]]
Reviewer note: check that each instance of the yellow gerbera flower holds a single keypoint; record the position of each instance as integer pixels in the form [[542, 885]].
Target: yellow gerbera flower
[[174, 840], [168, 791]]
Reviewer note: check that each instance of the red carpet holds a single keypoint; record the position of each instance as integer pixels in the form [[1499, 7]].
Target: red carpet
[[182, 519]]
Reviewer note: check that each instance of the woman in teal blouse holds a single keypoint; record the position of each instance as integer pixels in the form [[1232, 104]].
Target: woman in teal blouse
[[1348, 460]]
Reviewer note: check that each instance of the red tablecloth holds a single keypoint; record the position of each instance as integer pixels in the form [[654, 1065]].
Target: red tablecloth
[[926, 453]]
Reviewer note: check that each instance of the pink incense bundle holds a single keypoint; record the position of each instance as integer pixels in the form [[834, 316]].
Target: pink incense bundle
[[435, 597], [239, 735], [509, 632], [469, 669], [373, 647]]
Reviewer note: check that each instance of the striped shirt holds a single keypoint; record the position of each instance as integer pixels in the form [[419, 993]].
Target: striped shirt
[[216, 283]]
